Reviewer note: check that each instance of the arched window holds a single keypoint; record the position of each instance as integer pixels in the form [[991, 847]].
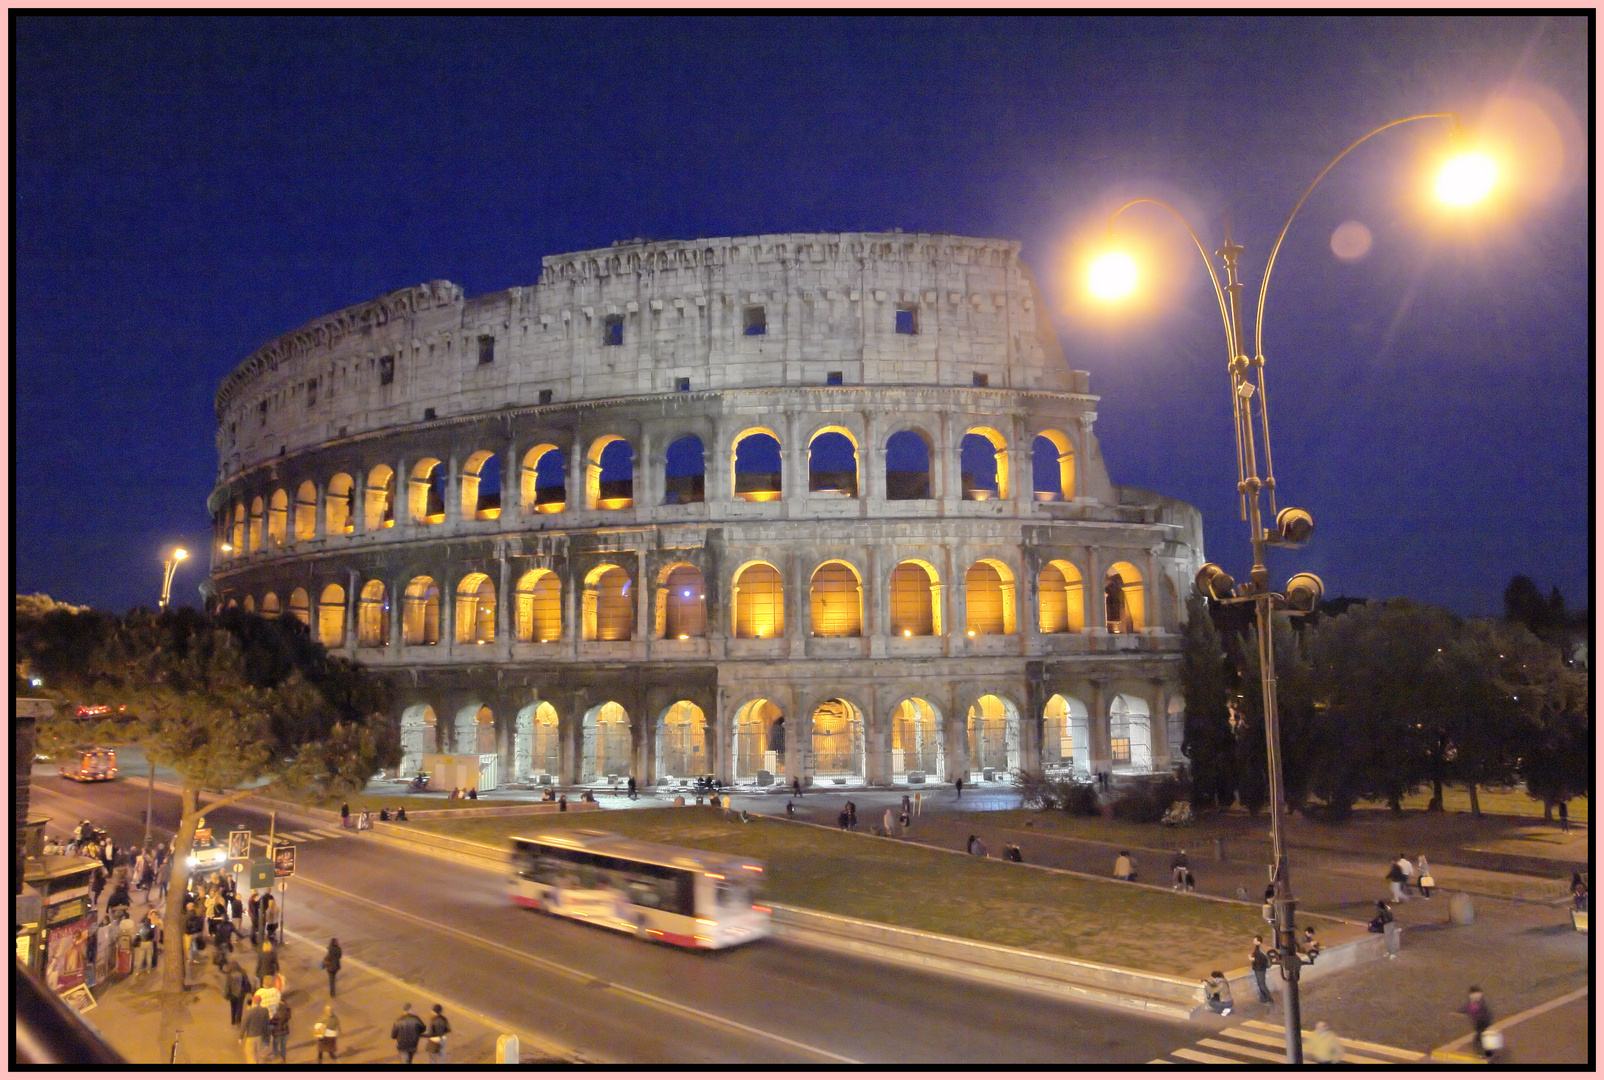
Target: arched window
[[759, 602], [610, 474], [270, 607], [380, 500], [481, 487], [301, 606], [543, 484], [984, 464], [306, 511], [258, 513], [684, 472], [373, 616], [1122, 599], [239, 529], [833, 463], [681, 603], [426, 492], [339, 506], [915, 606], [331, 617], [1053, 467], [420, 612], [609, 613], [907, 466], [989, 598], [836, 601], [755, 465], [758, 730], [540, 608], [1061, 599], [278, 513], [476, 610]]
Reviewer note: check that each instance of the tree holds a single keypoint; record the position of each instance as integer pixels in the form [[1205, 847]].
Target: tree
[[1295, 719], [222, 700], [1207, 740]]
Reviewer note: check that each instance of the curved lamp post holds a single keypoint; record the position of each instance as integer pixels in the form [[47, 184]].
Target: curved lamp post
[[1464, 180], [169, 565]]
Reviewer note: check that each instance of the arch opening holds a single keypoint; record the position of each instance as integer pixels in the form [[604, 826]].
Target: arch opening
[[755, 465], [331, 617], [420, 612], [481, 487], [1052, 467], [907, 466], [1060, 599], [1123, 599], [989, 599], [915, 600], [681, 603], [759, 601], [476, 610], [683, 742], [540, 608], [609, 612], [835, 601], [373, 616], [983, 465], [833, 463], [835, 739], [758, 741], [916, 739], [684, 472], [543, 483]]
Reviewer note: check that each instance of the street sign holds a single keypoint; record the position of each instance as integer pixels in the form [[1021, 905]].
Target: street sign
[[239, 844], [237, 868], [284, 860], [261, 873]]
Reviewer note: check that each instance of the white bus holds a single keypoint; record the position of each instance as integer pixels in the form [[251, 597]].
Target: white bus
[[697, 899]]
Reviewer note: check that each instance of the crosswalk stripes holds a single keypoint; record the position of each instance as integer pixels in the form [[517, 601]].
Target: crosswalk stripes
[[299, 836], [1257, 1042]]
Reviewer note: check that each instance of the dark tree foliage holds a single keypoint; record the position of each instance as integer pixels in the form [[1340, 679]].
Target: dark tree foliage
[[1207, 741], [1295, 710]]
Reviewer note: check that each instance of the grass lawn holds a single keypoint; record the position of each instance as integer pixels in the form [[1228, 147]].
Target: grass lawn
[[986, 900]]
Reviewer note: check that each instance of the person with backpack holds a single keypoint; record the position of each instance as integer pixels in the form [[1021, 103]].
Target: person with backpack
[[406, 1031], [435, 1036]]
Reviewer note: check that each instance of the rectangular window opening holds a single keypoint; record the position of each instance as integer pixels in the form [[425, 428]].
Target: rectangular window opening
[[907, 319], [1121, 751], [545, 397], [982, 379], [754, 322], [386, 370], [487, 349], [682, 385], [428, 414], [311, 393], [613, 330], [832, 378]]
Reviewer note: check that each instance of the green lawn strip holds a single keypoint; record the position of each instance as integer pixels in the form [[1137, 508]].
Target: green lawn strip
[[372, 803], [985, 900]]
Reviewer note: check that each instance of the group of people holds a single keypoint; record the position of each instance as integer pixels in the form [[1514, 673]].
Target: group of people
[[1403, 874], [261, 1013]]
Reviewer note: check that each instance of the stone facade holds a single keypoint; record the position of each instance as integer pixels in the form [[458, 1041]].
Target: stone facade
[[823, 505]]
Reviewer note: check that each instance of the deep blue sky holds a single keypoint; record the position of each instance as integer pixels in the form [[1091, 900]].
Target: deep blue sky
[[187, 188]]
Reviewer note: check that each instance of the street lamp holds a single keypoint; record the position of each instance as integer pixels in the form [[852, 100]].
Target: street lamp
[[1467, 178], [168, 567]]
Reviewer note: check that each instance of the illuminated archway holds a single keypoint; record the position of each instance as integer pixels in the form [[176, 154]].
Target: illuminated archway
[[609, 613], [758, 741], [681, 603], [543, 483], [605, 749], [379, 502], [426, 492], [915, 600], [481, 487], [277, 517], [258, 512], [270, 605], [836, 739], [759, 598], [983, 464], [993, 731], [373, 616], [305, 511], [1122, 599], [1065, 737], [835, 600], [339, 506], [476, 610], [610, 474], [683, 742], [1061, 599], [540, 607], [755, 466], [916, 739], [238, 532], [331, 617], [545, 747], [420, 612], [989, 599], [418, 735], [1130, 734], [1053, 467], [301, 606]]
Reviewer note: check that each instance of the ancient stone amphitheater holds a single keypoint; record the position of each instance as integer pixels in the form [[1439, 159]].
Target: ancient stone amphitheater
[[825, 506]]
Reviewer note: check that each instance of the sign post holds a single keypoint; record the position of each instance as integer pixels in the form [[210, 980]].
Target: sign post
[[283, 870], [239, 844]]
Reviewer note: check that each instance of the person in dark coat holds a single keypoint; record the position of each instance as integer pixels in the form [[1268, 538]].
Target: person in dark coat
[[345, 815], [1481, 1017], [1260, 962], [331, 962], [266, 961], [280, 1028], [253, 908], [255, 1030], [237, 988], [406, 1031], [439, 1027], [631, 787]]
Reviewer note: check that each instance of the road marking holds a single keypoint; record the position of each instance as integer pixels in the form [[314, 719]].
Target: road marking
[[1353, 1044], [1208, 1059], [1238, 1048], [584, 977]]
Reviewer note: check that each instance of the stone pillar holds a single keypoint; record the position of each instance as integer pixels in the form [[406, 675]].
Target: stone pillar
[[1100, 754], [1158, 724], [643, 593], [504, 624], [1096, 603], [353, 603], [872, 460]]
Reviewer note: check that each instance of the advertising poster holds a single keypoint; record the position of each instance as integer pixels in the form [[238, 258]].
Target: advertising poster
[[66, 948]]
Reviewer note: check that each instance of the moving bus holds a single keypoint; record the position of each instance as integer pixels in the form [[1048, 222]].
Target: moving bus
[[93, 763], [697, 899]]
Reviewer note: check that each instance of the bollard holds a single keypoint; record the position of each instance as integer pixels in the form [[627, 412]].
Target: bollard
[[507, 1050], [1219, 848], [1461, 910]]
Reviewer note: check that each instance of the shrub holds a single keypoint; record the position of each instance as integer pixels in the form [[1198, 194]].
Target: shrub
[[1042, 793], [1145, 800]]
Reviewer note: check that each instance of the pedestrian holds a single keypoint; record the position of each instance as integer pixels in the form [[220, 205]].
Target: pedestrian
[[145, 944], [253, 909], [269, 913], [796, 787], [281, 1031], [97, 884], [906, 821], [1217, 991], [327, 1033], [1324, 1046], [1395, 879], [632, 787], [236, 907], [790, 808], [255, 1029], [1178, 869], [1311, 944], [1481, 1018], [439, 1027], [1260, 962], [907, 806], [959, 784], [345, 815], [266, 961], [918, 803], [1425, 881], [852, 814], [1125, 867], [562, 803], [223, 938], [888, 821], [1564, 817], [1408, 869], [406, 1031], [236, 988], [164, 872], [193, 927], [331, 962]]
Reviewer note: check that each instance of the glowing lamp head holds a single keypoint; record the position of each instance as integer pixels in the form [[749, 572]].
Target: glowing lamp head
[[1467, 179], [1112, 276], [179, 554]]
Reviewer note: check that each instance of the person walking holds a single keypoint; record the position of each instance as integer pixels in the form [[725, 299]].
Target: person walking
[[1425, 881], [406, 1031], [255, 1030], [1481, 1018], [97, 885], [959, 784], [1178, 869], [1125, 867], [1395, 880], [266, 961], [280, 1028], [632, 787], [345, 815], [331, 962], [1324, 1046], [269, 915], [327, 1033], [1260, 962], [796, 787], [236, 988], [435, 1036]]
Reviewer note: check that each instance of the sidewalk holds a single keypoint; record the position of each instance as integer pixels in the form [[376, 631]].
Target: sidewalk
[[127, 1015]]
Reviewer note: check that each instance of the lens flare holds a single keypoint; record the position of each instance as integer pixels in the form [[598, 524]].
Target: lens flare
[[1466, 179], [1112, 276]]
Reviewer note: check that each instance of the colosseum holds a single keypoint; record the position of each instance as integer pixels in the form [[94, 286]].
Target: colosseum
[[815, 506]]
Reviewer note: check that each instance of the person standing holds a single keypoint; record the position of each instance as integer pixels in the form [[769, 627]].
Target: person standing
[[1178, 869], [406, 1031], [145, 945], [1564, 818], [280, 1027], [327, 1033], [887, 819], [918, 803], [1260, 962], [331, 962], [255, 1029], [345, 815], [253, 909], [959, 784], [1125, 867], [269, 914], [852, 814], [439, 1027], [1425, 881], [1324, 1046], [632, 787], [1481, 1018]]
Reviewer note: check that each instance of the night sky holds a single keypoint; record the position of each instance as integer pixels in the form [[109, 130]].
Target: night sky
[[188, 188]]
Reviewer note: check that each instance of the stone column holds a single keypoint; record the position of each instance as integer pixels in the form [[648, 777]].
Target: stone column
[[353, 602], [504, 622], [1100, 754], [1158, 720], [643, 591]]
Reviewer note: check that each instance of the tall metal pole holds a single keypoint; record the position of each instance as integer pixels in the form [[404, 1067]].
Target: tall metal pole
[[150, 798]]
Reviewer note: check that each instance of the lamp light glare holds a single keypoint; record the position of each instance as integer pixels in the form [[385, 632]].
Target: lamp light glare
[[1466, 179], [1112, 276]]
